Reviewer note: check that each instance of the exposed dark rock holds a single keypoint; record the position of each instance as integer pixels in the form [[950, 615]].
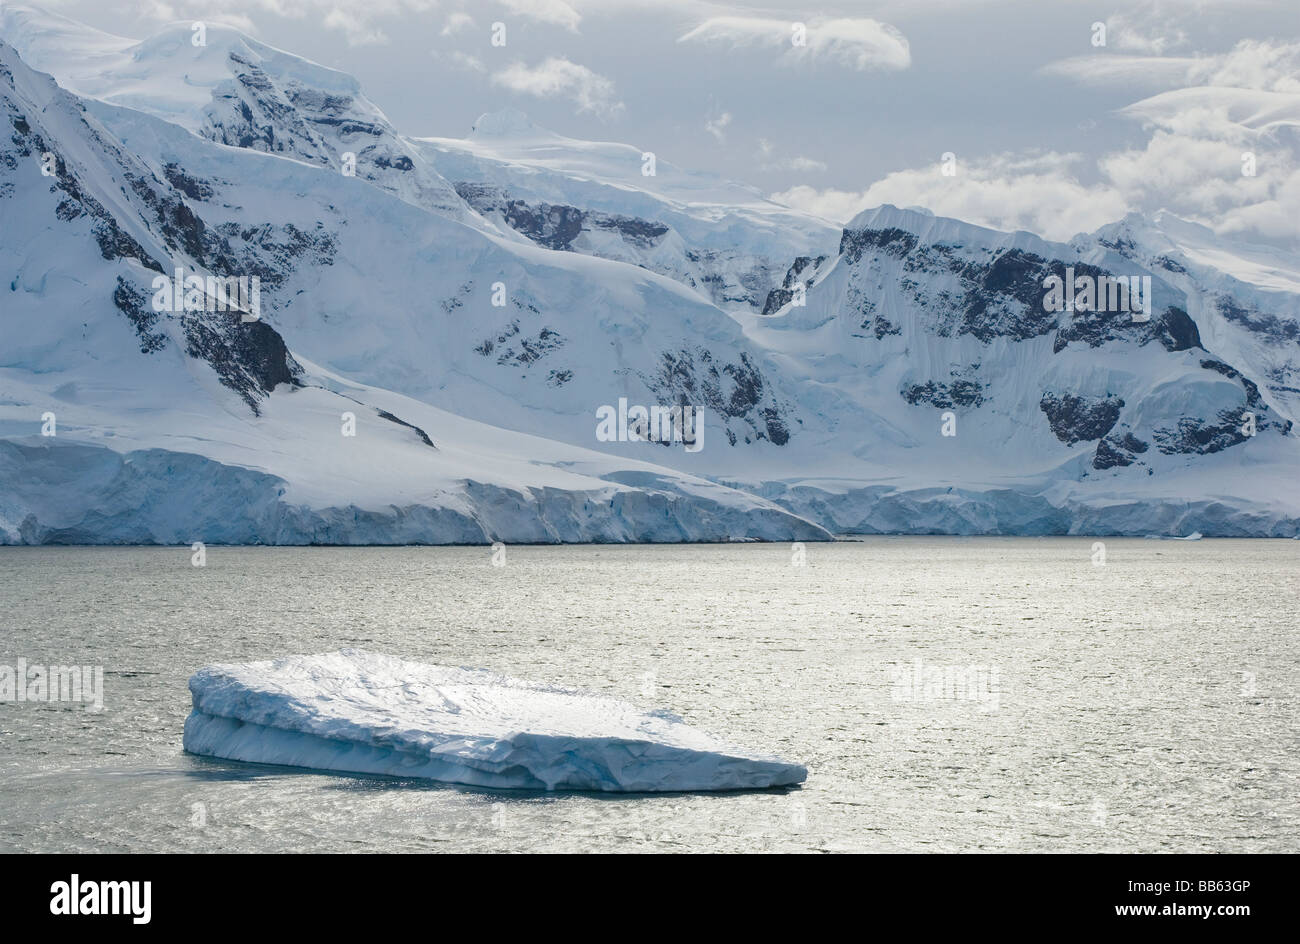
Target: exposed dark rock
[[729, 391], [1109, 457], [401, 163], [779, 297], [1268, 326], [192, 187], [271, 252], [113, 241], [1176, 330], [1078, 419], [961, 390], [881, 327], [1193, 435], [642, 233], [1133, 444], [1004, 297], [530, 350], [894, 242], [556, 226], [1117, 451], [944, 396], [1173, 328], [777, 431], [136, 305], [68, 210], [249, 357], [401, 422]]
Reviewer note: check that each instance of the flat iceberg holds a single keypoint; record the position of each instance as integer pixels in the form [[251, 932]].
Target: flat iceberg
[[364, 712]]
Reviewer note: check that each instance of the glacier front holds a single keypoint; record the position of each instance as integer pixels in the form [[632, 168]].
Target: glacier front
[[363, 712]]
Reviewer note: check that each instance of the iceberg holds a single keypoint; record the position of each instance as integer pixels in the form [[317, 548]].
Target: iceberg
[[355, 711]]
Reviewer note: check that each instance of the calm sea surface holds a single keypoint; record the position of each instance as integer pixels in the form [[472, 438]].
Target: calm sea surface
[[1148, 704]]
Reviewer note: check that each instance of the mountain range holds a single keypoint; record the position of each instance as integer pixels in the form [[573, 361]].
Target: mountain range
[[441, 322]]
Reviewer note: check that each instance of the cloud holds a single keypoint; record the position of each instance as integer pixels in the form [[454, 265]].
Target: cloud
[[456, 22], [1039, 193], [358, 22], [716, 126], [1213, 110], [801, 163], [797, 163], [1254, 64], [856, 43], [1257, 64], [467, 62], [355, 26], [557, 77], [1242, 102], [1109, 69], [1152, 39]]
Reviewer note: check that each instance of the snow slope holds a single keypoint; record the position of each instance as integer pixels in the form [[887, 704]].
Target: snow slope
[[363, 712], [1061, 421], [903, 375], [721, 238], [179, 426], [1245, 299], [234, 90]]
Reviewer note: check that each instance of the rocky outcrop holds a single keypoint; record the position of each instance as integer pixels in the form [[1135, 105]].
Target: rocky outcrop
[[1075, 419]]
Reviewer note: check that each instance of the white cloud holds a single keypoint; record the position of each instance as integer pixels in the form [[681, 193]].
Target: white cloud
[[1255, 64], [456, 22], [1215, 109], [1273, 218], [797, 163], [467, 62], [1109, 69], [356, 26], [856, 43], [802, 163], [716, 126], [557, 77], [1218, 111], [1039, 193], [357, 21], [1250, 64], [1123, 32]]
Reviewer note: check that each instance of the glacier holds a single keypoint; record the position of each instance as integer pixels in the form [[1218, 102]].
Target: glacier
[[827, 360], [355, 711]]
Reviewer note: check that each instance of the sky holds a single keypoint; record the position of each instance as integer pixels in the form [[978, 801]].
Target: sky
[[1051, 125]]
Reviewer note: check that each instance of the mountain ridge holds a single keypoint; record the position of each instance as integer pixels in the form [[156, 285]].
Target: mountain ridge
[[827, 375]]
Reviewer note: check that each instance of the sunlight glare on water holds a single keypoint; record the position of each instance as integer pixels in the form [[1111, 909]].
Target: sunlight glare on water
[[1144, 705]]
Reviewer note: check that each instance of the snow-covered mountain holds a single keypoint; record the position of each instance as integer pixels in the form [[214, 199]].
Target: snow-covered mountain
[[233, 90], [718, 237], [475, 306], [1090, 418], [179, 426]]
